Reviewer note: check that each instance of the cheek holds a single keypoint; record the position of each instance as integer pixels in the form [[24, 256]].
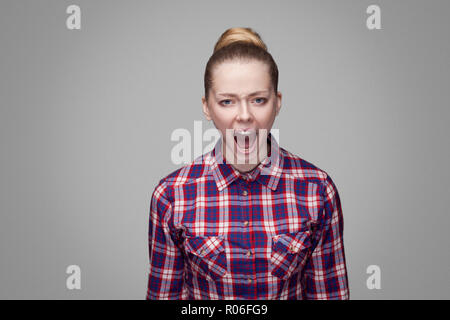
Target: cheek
[[267, 115], [225, 118], [221, 123]]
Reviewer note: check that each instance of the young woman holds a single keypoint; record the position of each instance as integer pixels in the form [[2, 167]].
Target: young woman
[[239, 223]]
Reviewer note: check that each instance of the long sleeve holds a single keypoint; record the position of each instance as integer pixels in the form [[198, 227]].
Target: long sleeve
[[326, 271], [165, 280]]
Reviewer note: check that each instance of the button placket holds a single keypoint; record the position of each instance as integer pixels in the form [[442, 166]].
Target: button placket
[[245, 188]]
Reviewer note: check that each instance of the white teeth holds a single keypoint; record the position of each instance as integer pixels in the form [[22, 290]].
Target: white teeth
[[245, 133]]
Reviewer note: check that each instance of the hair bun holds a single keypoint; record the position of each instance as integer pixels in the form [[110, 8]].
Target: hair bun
[[245, 35]]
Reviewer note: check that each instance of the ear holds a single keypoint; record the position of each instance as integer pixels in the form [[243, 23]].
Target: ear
[[278, 106], [205, 109]]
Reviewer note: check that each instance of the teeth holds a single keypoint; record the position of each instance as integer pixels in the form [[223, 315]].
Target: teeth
[[245, 133]]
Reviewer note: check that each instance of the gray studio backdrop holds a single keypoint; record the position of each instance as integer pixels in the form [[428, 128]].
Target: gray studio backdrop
[[87, 115]]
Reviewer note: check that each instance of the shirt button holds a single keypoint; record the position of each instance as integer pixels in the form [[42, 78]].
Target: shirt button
[[245, 192], [248, 254], [249, 280], [245, 223]]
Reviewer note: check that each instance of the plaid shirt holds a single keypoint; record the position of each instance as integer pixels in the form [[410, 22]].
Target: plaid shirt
[[216, 233]]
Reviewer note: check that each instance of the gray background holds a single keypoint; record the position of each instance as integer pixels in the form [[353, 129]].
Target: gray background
[[86, 118]]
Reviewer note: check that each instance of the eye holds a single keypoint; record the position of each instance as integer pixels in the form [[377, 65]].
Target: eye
[[263, 100], [223, 102]]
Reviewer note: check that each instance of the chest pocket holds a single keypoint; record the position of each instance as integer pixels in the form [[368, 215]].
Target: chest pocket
[[289, 253], [207, 256]]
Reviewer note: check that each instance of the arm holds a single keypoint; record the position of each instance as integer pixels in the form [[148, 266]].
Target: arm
[[165, 280], [326, 272]]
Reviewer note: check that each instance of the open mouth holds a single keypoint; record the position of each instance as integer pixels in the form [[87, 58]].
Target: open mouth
[[245, 140]]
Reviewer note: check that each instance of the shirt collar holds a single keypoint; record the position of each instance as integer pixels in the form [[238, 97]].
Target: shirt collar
[[267, 173]]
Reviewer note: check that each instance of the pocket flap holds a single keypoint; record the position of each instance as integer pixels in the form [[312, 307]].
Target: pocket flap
[[205, 246], [291, 242]]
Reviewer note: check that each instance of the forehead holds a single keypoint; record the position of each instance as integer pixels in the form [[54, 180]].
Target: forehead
[[241, 77]]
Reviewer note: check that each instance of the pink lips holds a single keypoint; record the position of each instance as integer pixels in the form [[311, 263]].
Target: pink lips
[[244, 130]]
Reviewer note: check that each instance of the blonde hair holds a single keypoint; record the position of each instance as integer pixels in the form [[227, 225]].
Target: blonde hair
[[239, 44], [245, 35]]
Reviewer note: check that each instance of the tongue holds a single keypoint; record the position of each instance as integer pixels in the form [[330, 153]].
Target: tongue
[[245, 145]]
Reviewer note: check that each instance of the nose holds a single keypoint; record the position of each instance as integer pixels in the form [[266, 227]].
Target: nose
[[244, 114]]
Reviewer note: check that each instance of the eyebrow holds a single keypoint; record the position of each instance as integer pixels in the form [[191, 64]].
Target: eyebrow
[[250, 95]]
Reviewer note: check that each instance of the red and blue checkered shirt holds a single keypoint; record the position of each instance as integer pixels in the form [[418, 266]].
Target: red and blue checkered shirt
[[275, 232]]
